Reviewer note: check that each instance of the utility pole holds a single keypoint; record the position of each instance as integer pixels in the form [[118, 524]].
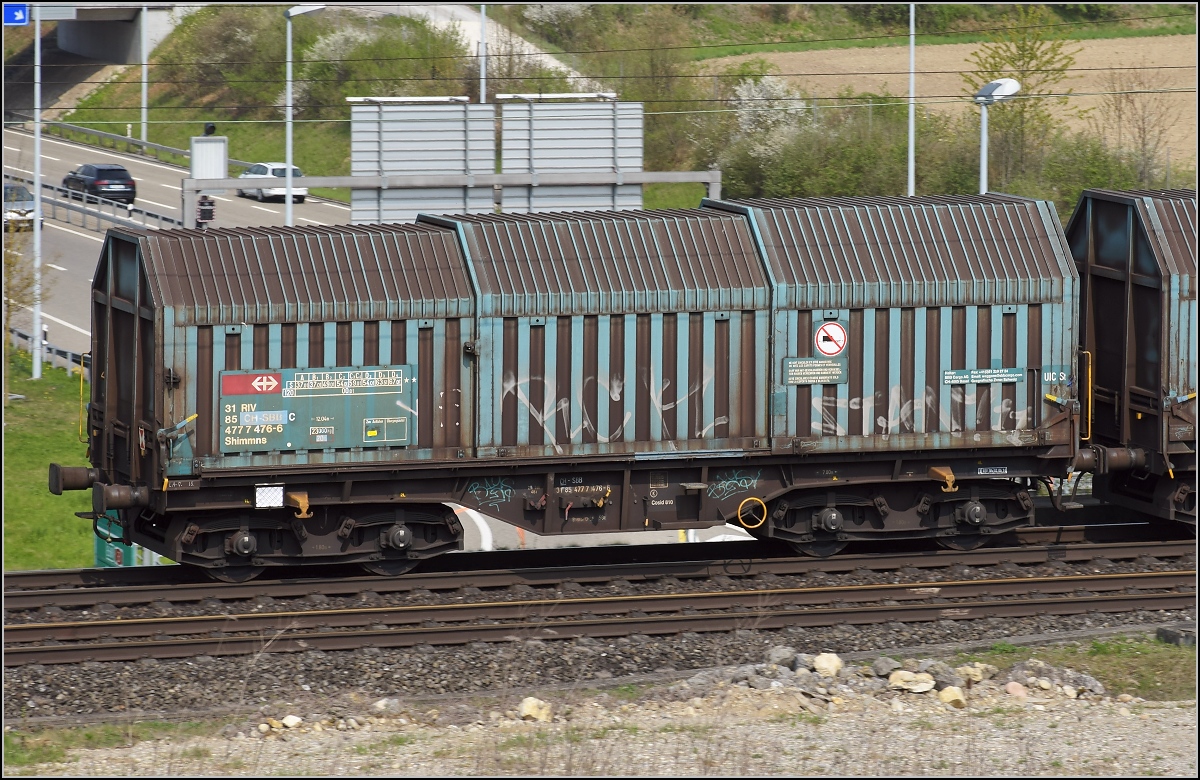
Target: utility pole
[[142, 22], [912, 97], [483, 53], [37, 189]]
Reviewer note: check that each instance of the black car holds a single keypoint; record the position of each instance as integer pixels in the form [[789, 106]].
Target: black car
[[103, 180]]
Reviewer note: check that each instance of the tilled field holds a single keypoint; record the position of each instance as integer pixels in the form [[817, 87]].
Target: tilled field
[[872, 69]]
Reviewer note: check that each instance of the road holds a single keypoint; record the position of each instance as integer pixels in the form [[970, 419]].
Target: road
[[501, 41], [69, 252]]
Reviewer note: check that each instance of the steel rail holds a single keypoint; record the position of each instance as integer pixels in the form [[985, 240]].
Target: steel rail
[[183, 591], [417, 614], [621, 625]]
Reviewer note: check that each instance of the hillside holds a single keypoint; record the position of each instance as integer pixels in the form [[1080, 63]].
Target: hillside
[[697, 68]]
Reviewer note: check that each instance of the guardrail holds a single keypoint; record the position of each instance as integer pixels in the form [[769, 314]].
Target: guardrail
[[59, 199], [52, 354], [67, 131]]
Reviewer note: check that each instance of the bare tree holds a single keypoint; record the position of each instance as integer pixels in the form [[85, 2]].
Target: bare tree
[[20, 289], [514, 67], [1135, 117]]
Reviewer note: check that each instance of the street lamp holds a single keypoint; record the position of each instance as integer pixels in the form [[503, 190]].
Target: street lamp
[[992, 92], [288, 14]]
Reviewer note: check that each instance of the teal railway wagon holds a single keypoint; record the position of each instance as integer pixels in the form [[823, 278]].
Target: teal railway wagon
[[927, 344], [1136, 253], [819, 371]]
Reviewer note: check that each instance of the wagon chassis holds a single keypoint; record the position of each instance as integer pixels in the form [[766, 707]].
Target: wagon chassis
[[388, 519]]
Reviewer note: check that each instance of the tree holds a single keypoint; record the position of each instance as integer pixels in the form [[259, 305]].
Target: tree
[[1135, 117], [20, 290], [510, 68], [1024, 51]]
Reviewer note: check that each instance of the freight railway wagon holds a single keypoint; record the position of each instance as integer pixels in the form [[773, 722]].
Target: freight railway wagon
[[817, 371], [1136, 253]]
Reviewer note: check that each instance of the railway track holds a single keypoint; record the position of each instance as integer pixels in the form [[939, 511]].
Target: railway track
[[570, 613], [80, 588]]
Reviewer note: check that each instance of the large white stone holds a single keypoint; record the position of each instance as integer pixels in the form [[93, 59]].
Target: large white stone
[[915, 682], [976, 671], [292, 721], [953, 696], [827, 664], [534, 709]]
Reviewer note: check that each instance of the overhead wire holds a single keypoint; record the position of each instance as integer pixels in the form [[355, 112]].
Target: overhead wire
[[700, 76], [855, 102], [684, 47]]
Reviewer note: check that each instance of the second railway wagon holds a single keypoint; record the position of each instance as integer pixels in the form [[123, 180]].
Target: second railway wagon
[[816, 370], [1136, 254]]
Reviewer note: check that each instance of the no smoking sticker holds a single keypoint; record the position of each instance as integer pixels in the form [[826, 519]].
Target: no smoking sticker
[[830, 339]]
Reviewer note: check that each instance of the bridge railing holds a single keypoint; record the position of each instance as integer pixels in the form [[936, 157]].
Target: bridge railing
[[57, 203], [115, 141]]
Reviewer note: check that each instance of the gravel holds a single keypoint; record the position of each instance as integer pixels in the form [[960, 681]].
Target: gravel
[[755, 716], [201, 684], [453, 710]]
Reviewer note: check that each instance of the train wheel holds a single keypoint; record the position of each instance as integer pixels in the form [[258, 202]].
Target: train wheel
[[390, 568], [963, 543], [235, 573], [821, 549]]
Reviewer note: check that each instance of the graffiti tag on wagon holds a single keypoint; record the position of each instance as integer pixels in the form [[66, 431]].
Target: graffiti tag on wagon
[[732, 483], [491, 492]]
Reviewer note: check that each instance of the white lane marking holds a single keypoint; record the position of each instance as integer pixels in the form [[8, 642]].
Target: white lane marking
[[485, 532], [215, 197], [74, 232], [48, 157], [269, 211], [335, 205], [22, 170], [55, 267], [64, 323], [80, 148], [306, 219], [12, 148], [155, 203]]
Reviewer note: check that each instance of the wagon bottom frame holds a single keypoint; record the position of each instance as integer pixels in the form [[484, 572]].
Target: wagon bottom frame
[[235, 524]]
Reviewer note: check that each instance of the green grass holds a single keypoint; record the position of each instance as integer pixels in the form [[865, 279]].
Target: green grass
[[684, 195], [40, 529], [526, 741], [1186, 26], [797, 718], [27, 748], [384, 745], [628, 692], [1138, 665], [696, 730]]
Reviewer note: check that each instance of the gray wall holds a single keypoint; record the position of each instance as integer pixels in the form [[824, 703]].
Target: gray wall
[[118, 40]]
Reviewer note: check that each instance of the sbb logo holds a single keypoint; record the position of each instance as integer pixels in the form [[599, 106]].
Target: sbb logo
[[251, 384]]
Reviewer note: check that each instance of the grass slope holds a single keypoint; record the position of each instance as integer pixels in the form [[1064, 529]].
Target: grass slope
[[40, 529]]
